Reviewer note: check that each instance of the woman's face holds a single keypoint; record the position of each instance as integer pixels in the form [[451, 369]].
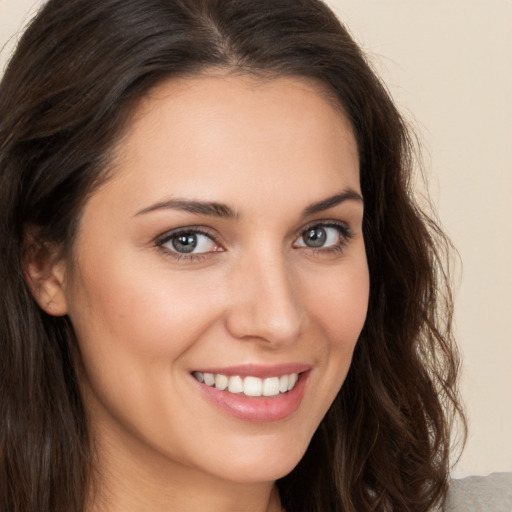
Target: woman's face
[[227, 247]]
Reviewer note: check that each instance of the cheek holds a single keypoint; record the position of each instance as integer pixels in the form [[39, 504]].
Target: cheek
[[135, 325], [341, 303], [134, 322], [138, 307], [339, 310]]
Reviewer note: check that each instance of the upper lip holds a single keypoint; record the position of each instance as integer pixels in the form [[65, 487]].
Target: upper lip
[[258, 370]]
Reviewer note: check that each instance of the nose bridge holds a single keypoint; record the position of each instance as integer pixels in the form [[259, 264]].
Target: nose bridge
[[264, 305]]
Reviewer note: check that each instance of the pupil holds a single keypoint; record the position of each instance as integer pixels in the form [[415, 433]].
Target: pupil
[[185, 243], [315, 237]]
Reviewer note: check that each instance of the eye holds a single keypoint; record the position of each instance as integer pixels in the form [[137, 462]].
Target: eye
[[189, 242], [323, 236]]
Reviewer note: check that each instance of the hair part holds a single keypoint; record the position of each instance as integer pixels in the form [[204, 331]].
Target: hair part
[[78, 72]]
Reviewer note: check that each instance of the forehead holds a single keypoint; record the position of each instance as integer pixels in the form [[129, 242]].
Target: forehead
[[238, 136]]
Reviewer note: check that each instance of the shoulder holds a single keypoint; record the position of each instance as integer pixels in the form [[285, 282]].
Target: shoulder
[[492, 493]]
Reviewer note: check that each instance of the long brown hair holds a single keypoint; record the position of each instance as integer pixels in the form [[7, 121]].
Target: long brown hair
[[76, 75]]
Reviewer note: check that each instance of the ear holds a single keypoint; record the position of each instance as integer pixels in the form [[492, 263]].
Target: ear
[[44, 271]]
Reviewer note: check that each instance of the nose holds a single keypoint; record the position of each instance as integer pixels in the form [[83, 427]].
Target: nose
[[265, 303]]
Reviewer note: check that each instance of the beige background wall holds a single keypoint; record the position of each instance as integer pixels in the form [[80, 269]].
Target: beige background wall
[[448, 63]]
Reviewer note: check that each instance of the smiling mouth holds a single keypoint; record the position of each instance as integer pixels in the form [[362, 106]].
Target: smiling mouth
[[249, 385]]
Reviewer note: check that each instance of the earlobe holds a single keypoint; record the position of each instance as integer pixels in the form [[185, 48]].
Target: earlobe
[[45, 274]]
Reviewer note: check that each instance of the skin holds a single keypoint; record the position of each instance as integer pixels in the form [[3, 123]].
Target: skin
[[257, 294]]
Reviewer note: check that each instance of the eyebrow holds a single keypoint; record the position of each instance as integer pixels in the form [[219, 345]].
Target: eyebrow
[[324, 204], [209, 208], [221, 210]]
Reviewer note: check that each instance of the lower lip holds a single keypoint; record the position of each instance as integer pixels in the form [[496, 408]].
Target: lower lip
[[257, 409]]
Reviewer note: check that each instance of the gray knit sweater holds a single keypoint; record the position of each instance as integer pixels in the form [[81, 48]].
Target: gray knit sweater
[[491, 493]]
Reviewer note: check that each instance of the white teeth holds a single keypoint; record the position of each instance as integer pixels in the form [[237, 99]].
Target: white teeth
[[283, 384], [271, 386], [253, 386], [292, 380], [236, 384], [209, 379], [249, 386], [221, 381]]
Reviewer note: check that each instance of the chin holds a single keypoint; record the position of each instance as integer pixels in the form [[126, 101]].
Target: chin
[[265, 463]]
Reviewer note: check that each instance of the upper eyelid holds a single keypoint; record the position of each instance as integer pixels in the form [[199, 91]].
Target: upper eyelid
[[165, 237], [324, 222], [345, 226]]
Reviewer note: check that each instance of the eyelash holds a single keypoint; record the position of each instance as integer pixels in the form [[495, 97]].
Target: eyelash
[[345, 235], [177, 256]]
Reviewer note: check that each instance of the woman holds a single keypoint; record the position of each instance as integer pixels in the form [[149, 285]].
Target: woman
[[218, 293]]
